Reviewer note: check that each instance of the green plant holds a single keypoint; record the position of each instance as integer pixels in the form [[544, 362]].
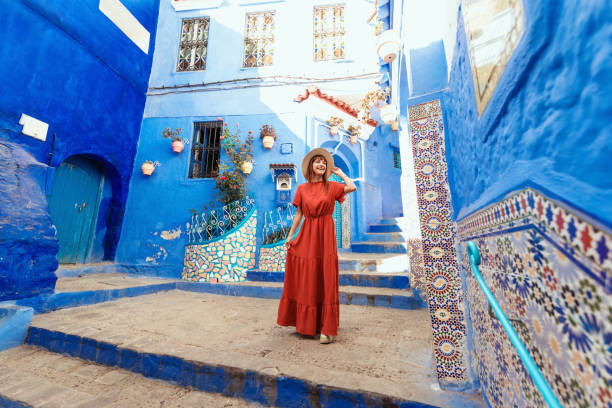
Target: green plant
[[174, 135], [230, 182], [354, 130], [335, 121], [267, 130], [369, 100]]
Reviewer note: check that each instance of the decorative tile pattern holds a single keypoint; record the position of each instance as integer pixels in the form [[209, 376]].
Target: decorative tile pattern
[[418, 278], [442, 278], [272, 258], [548, 268], [224, 260]]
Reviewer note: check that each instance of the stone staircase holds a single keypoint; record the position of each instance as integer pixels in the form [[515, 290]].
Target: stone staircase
[[382, 238], [124, 340]]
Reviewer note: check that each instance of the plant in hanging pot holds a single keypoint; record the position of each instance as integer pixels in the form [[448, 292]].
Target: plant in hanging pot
[[370, 99], [177, 141], [247, 165], [334, 123], [268, 136], [148, 167], [354, 133], [388, 113]]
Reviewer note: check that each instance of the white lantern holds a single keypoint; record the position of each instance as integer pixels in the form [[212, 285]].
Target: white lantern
[[388, 45], [388, 113]]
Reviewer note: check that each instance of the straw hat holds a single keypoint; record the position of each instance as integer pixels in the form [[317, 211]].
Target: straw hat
[[319, 151]]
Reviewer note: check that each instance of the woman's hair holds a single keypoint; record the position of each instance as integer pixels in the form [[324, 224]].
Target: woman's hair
[[310, 173]]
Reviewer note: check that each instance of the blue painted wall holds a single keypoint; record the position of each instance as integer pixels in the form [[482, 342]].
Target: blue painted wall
[[428, 69], [549, 121], [67, 64]]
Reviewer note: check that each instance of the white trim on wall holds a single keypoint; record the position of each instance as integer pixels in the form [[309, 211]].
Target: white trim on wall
[[126, 22]]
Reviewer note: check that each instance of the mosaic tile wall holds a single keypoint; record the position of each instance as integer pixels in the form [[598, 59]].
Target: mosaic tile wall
[[272, 258], [551, 271], [417, 266], [224, 260], [442, 277]]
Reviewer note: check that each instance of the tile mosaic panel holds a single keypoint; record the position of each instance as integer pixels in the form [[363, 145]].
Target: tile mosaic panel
[[417, 266], [549, 268], [272, 258], [443, 281], [224, 260]]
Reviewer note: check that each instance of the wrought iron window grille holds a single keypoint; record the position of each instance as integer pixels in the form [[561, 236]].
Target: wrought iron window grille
[[259, 39], [193, 44], [205, 149], [329, 32]]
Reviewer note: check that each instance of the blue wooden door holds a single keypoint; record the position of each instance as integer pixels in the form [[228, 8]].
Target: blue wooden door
[[337, 214], [73, 203]]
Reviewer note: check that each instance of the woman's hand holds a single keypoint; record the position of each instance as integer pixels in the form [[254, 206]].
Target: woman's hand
[[338, 172], [288, 244]]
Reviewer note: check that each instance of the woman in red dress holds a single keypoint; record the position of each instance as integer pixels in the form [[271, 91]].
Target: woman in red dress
[[310, 299]]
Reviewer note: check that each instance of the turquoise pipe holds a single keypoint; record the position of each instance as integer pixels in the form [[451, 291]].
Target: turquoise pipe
[[532, 368]]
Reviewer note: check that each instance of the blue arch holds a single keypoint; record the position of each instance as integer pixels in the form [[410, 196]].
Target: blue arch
[[348, 161]]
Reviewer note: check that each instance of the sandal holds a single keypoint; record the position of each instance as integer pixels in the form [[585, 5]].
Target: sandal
[[325, 339]]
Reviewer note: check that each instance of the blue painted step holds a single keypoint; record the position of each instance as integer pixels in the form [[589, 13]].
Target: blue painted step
[[379, 247], [384, 228], [346, 279], [392, 298], [382, 237]]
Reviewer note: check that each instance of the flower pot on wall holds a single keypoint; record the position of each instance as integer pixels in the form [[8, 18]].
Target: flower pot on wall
[[388, 45], [388, 113], [353, 139], [147, 168], [246, 167], [333, 130], [178, 146], [268, 141]]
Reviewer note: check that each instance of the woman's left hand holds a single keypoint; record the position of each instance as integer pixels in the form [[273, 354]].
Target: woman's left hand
[[337, 172]]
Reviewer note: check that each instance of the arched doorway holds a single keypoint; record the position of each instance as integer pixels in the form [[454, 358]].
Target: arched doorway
[[74, 203]]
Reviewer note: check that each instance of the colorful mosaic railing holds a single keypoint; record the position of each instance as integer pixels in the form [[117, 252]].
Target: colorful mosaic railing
[[218, 222], [277, 223], [531, 366]]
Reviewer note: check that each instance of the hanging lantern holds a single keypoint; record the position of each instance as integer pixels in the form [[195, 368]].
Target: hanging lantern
[[388, 113], [388, 45]]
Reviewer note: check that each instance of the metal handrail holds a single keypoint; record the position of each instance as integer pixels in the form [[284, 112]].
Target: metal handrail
[[532, 368]]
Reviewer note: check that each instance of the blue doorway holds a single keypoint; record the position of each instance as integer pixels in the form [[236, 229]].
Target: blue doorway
[[74, 204]]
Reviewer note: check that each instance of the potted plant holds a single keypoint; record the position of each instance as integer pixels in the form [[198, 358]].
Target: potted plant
[[148, 167], [268, 135], [388, 113], [247, 165], [334, 123], [369, 100], [175, 136], [354, 131]]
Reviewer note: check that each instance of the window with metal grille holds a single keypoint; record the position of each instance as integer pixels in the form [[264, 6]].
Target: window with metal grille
[[397, 161], [205, 149], [193, 44], [329, 32], [259, 39]]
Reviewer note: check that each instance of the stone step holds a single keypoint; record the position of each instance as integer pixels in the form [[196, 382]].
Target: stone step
[[372, 263], [383, 236], [34, 377], [384, 228], [346, 279], [388, 221], [379, 247], [349, 295], [232, 346]]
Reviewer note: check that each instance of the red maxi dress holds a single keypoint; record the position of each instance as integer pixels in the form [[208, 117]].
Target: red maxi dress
[[310, 299]]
